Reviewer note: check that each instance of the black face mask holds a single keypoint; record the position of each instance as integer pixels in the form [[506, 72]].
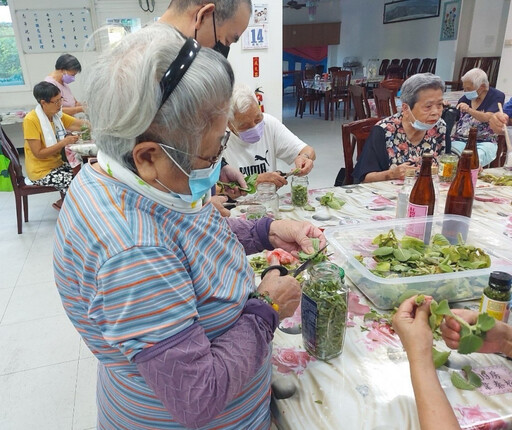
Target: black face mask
[[219, 46]]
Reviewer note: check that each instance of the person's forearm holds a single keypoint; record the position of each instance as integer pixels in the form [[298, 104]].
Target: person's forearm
[[480, 116], [253, 235], [434, 409], [378, 176], [72, 110], [308, 152]]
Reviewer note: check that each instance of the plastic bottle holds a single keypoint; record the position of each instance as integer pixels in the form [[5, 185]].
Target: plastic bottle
[[475, 162], [496, 296], [461, 193], [405, 192], [422, 201]]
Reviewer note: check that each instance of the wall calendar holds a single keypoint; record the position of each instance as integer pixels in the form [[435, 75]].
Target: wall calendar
[[54, 30]]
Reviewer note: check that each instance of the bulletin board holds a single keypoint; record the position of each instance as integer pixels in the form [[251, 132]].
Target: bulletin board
[[54, 30]]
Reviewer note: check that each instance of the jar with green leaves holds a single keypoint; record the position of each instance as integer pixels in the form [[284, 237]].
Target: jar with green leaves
[[300, 191], [324, 307]]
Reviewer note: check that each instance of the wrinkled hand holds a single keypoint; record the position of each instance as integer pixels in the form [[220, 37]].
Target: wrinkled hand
[[272, 177], [495, 339], [69, 139], [218, 201], [230, 174], [498, 122], [283, 290], [463, 107], [294, 236], [411, 324], [304, 164], [398, 171]]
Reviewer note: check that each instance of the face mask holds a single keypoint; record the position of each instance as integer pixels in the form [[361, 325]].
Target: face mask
[[199, 180], [418, 125], [471, 95], [67, 79], [219, 46], [254, 134]]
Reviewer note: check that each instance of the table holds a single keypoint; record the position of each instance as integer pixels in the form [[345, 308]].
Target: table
[[368, 386], [323, 86]]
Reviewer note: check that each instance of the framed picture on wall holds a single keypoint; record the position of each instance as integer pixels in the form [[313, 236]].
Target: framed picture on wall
[[406, 10], [450, 22]]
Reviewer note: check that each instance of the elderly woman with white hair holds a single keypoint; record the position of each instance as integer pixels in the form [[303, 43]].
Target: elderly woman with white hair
[[477, 106], [150, 274], [399, 141], [258, 140]]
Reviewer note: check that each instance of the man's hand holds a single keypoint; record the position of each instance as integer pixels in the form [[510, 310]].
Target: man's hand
[[498, 122], [230, 174], [294, 236], [272, 177], [218, 201], [283, 290], [304, 164]]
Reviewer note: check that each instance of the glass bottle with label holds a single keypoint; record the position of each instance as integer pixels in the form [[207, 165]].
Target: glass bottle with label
[[300, 191], [459, 200], [324, 310], [496, 297], [435, 183], [405, 192], [422, 200], [267, 196], [471, 146]]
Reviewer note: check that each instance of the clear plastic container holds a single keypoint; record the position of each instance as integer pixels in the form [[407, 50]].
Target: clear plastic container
[[267, 196], [351, 240]]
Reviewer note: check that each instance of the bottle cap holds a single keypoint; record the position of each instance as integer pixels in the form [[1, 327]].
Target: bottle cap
[[500, 280]]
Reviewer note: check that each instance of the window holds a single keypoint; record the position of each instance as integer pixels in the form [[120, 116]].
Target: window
[[118, 27], [11, 73]]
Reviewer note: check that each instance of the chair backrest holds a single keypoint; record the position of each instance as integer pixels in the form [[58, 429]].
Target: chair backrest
[[490, 65], [10, 151], [340, 82], [319, 69], [354, 135], [433, 64], [413, 67], [361, 106], [425, 65], [309, 73], [404, 64], [395, 62], [334, 69], [383, 66], [384, 102], [392, 84]]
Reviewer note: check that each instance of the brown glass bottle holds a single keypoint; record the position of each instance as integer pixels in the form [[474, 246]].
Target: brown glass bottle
[[422, 200], [471, 146], [459, 200]]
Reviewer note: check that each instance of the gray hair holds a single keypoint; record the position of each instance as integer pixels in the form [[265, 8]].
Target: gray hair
[[241, 100], [477, 77], [416, 83], [124, 95], [224, 9]]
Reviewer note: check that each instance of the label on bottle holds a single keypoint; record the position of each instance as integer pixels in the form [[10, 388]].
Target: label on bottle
[[495, 308], [309, 316], [446, 170], [416, 229], [474, 176]]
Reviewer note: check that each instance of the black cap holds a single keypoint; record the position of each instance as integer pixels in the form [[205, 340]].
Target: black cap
[[500, 280]]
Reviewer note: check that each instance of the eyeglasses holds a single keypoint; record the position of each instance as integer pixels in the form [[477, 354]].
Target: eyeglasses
[[56, 102], [178, 68], [212, 160]]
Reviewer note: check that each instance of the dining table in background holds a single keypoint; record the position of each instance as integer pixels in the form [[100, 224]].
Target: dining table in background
[[368, 386], [323, 86]]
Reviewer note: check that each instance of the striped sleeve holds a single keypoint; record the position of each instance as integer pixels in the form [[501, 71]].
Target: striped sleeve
[[144, 296]]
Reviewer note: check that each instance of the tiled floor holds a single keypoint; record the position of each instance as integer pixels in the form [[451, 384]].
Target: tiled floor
[[47, 375]]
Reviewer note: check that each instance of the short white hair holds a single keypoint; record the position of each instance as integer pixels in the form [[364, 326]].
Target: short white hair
[[123, 95], [477, 77], [241, 100]]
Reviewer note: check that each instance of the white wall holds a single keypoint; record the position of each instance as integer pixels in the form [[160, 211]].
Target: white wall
[[505, 75]]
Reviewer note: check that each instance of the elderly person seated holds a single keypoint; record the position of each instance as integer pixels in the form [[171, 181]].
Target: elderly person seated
[[45, 130], [399, 141], [258, 139], [477, 106], [66, 68], [150, 274]]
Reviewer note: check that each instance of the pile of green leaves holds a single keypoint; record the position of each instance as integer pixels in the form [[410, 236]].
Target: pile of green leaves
[[411, 257], [86, 132], [299, 195], [330, 200], [316, 258], [250, 180], [497, 180]]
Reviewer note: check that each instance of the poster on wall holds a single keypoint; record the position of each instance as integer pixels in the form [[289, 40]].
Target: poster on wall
[[450, 22], [256, 35], [54, 30]]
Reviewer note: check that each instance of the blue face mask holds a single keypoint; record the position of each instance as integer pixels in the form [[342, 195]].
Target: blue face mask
[[199, 180], [471, 95], [422, 126]]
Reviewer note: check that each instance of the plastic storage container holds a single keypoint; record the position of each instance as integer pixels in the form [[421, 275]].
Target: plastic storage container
[[350, 240]]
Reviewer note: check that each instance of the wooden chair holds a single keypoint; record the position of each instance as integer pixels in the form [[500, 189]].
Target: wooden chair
[[501, 153], [333, 69], [354, 135], [404, 64], [304, 96], [425, 65], [413, 67], [339, 91], [395, 62], [490, 65], [383, 66], [433, 64], [392, 84], [309, 73], [21, 190], [384, 102], [358, 97], [467, 64]]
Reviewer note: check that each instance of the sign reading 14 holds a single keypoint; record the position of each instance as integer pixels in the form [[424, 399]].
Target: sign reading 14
[[257, 36]]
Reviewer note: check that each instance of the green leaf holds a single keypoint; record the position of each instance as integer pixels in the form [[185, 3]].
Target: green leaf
[[407, 294], [445, 268], [412, 242], [383, 251], [459, 382], [440, 357], [485, 322], [473, 378], [443, 308], [383, 266], [470, 343], [309, 208], [401, 254], [439, 239]]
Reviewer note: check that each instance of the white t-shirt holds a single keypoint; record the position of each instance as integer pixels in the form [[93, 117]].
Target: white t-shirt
[[277, 142]]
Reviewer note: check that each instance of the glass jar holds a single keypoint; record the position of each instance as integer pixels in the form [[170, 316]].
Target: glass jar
[[496, 296], [372, 68], [255, 212], [300, 191], [447, 167], [324, 309], [267, 196]]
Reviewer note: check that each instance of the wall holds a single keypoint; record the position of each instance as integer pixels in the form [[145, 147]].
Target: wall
[[505, 75]]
